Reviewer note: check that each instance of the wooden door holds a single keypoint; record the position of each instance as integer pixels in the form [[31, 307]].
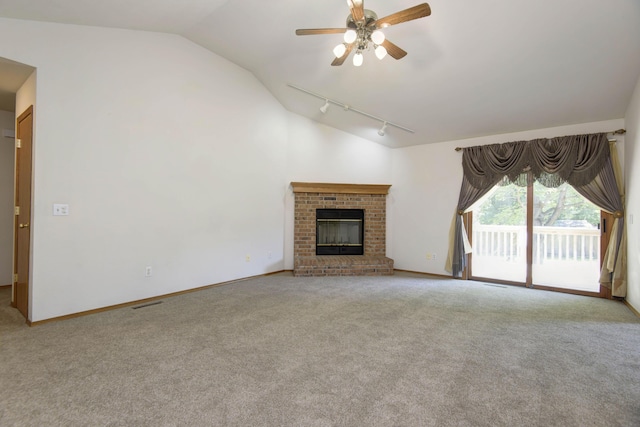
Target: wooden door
[[23, 214]]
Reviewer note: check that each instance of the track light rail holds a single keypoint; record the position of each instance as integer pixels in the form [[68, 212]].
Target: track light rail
[[346, 107]]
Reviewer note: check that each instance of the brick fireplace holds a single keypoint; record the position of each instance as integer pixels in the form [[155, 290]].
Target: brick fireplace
[[309, 197]]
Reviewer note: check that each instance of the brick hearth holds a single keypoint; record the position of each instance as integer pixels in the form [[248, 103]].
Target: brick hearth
[[370, 198]]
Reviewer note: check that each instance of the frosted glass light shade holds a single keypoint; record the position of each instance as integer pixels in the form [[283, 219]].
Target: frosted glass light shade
[[377, 37], [381, 52], [357, 59], [339, 50], [350, 36]]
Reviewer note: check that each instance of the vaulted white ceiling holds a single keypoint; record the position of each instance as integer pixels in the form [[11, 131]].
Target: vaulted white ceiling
[[473, 68]]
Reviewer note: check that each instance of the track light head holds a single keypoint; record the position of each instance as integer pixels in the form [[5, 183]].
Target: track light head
[[324, 108], [382, 130]]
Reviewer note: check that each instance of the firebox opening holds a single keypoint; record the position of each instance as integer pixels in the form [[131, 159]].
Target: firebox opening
[[339, 231]]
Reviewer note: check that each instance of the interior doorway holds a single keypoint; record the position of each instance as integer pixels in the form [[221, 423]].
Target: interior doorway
[[22, 232], [18, 97], [7, 164]]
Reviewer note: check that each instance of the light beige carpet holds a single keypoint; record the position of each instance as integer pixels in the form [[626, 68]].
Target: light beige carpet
[[404, 350]]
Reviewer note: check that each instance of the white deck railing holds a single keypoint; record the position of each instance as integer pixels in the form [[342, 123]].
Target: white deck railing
[[549, 243]]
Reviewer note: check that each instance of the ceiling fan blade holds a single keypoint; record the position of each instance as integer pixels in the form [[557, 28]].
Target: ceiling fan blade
[[312, 31], [415, 12], [357, 9], [393, 50], [340, 61]]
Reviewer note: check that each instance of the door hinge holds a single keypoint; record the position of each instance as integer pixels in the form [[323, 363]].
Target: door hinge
[[15, 278], [18, 143], [16, 210]]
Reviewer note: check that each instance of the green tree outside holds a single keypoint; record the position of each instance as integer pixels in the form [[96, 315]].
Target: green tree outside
[[561, 206]]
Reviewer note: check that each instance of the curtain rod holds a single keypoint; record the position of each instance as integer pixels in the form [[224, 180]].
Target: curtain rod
[[614, 132], [346, 107]]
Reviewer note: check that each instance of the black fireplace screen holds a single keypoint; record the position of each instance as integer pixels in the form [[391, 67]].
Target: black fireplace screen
[[339, 232]]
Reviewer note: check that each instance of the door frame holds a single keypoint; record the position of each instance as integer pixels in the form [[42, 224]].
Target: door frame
[[21, 298], [606, 221]]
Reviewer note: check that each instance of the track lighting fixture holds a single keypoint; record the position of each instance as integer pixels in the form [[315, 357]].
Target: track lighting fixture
[[382, 130], [347, 107]]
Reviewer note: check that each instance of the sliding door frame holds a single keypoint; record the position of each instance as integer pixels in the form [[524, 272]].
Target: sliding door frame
[[606, 223]]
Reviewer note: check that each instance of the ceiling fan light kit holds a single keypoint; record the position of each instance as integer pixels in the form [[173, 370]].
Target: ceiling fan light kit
[[363, 30], [381, 52], [377, 37], [339, 50], [358, 59], [350, 36]]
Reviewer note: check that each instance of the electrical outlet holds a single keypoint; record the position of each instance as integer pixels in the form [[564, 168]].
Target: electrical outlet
[[247, 258], [60, 209], [148, 271], [269, 255], [433, 257]]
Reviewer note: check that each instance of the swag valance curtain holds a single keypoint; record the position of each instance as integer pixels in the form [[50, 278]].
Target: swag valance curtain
[[574, 159], [583, 161]]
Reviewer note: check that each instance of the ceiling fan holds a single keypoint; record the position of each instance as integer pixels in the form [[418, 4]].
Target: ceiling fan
[[363, 28]]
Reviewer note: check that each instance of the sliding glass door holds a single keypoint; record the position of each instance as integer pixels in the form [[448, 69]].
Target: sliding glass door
[[499, 235], [566, 239], [536, 236]]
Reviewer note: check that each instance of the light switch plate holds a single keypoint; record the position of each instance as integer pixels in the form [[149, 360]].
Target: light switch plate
[[60, 209]]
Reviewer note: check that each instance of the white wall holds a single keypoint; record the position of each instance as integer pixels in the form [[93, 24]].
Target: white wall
[[168, 156], [26, 96], [318, 153], [427, 183], [632, 183], [7, 154]]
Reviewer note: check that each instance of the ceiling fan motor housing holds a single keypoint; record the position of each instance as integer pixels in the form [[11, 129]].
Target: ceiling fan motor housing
[[364, 28]]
